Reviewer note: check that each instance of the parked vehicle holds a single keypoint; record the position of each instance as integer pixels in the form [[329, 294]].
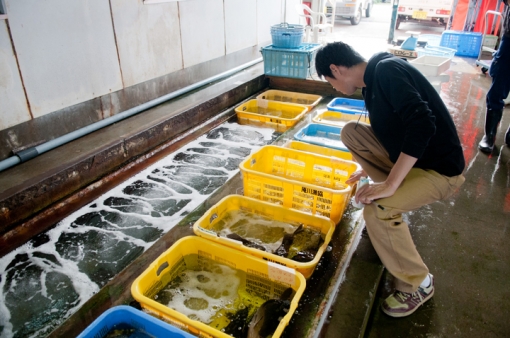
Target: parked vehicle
[[424, 10], [352, 10]]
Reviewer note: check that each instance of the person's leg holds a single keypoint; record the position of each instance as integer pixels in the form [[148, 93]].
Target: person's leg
[[392, 239], [390, 235], [367, 150], [499, 90], [384, 217]]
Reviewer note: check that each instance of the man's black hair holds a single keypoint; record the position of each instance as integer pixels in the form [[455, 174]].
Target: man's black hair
[[338, 54]]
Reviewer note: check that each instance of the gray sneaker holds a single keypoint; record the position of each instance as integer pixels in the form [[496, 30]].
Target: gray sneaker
[[401, 304]]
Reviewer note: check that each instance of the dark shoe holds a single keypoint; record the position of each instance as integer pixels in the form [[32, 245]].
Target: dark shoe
[[492, 118], [486, 144], [401, 304]]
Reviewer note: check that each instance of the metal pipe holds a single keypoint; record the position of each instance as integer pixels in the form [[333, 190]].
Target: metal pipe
[[394, 18], [32, 152]]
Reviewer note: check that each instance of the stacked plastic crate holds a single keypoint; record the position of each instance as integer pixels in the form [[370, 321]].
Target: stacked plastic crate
[[309, 173], [288, 56]]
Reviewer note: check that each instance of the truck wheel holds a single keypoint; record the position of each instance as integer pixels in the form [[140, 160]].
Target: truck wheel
[[357, 18], [397, 24], [368, 10]]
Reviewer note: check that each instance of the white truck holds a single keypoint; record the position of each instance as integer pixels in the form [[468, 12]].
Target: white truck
[[352, 10], [424, 10]]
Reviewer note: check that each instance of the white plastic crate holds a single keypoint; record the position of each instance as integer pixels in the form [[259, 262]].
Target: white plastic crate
[[430, 65]]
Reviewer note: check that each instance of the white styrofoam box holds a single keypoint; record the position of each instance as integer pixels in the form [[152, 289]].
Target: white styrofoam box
[[430, 65]]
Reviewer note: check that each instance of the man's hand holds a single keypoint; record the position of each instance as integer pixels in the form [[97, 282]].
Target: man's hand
[[355, 176], [370, 192]]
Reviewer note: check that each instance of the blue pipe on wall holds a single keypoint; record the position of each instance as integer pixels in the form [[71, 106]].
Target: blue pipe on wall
[[32, 152]]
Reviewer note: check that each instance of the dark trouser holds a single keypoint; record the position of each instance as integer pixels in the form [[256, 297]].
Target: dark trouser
[[500, 73]]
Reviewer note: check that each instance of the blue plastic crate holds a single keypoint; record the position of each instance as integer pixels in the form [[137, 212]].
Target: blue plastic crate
[[128, 318], [295, 63], [466, 43], [321, 135], [349, 106], [287, 35]]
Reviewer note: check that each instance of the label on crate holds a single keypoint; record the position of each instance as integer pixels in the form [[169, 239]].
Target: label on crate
[[341, 172], [296, 162], [277, 158], [281, 273], [322, 168], [311, 191]]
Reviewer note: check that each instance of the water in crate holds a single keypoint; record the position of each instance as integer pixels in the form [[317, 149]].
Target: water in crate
[[223, 297], [337, 121], [341, 119], [290, 240], [332, 140], [275, 112]]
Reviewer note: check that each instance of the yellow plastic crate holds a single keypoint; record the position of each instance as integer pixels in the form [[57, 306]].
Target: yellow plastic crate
[[308, 100], [299, 180], [266, 280], [222, 209], [315, 149], [339, 119], [277, 115]]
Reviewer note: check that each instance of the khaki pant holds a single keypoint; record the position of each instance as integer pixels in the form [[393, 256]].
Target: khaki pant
[[388, 232]]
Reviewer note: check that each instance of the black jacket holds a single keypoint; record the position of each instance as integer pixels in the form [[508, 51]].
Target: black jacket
[[408, 115]]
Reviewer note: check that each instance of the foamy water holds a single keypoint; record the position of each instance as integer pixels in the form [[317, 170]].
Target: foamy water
[[211, 292], [46, 280]]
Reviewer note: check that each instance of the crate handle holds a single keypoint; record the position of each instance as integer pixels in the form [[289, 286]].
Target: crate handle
[[161, 268], [286, 34]]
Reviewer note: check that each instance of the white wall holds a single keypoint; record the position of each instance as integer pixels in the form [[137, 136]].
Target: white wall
[[240, 24], [66, 51], [203, 30], [70, 52], [13, 104], [148, 39]]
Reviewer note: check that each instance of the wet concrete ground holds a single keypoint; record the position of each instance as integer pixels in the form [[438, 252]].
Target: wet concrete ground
[[463, 240]]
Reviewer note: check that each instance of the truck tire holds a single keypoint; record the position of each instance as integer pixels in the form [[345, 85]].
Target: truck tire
[[357, 18], [397, 24], [368, 10]]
